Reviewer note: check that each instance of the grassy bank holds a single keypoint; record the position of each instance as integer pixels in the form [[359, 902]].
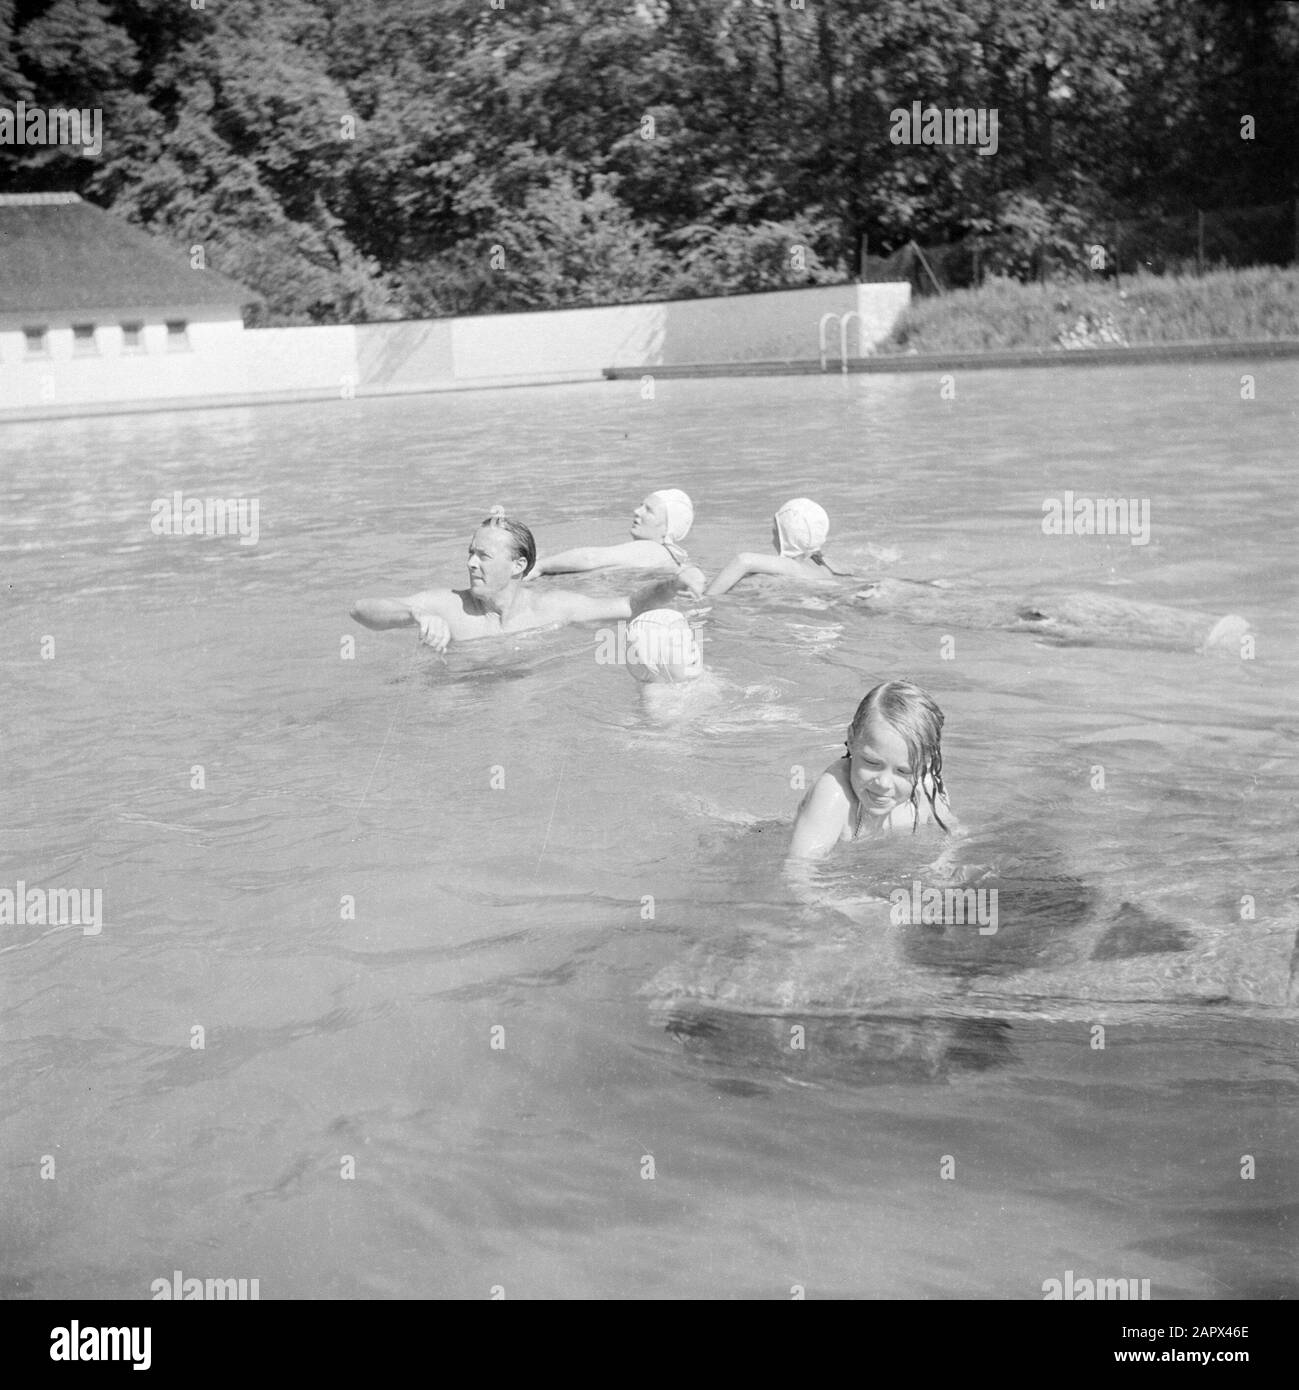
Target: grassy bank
[[1231, 305]]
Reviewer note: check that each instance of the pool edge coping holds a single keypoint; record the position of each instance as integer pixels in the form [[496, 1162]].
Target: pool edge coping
[[1142, 354], [1211, 350]]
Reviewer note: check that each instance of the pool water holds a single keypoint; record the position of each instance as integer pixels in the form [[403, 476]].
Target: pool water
[[496, 972]]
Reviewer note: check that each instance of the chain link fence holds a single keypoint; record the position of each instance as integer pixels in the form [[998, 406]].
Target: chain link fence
[[1155, 244]]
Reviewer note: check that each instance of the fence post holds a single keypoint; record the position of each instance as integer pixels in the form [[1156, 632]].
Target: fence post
[[1117, 261], [927, 266], [862, 244], [1296, 230], [1199, 241], [978, 279]]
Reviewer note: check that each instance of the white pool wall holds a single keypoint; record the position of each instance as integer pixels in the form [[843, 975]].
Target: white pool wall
[[227, 363]]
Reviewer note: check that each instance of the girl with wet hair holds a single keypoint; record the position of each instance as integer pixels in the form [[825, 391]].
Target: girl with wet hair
[[890, 777]]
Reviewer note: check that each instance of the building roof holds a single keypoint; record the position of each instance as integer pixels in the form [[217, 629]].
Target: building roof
[[58, 253]]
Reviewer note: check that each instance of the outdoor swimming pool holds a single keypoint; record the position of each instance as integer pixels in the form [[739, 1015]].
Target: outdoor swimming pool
[[501, 817]]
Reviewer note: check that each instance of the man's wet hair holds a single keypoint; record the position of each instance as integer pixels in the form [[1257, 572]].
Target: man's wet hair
[[522, 541]]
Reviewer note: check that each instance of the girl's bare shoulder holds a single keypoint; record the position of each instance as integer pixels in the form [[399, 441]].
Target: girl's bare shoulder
[[829, 789], [833, 783]]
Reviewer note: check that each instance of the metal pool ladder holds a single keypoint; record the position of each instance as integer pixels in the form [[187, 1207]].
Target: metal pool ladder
[[843, 336]]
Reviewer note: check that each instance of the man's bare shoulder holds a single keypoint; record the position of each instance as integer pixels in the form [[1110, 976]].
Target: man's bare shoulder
[[455, 606], [444, 601], [569, 606]]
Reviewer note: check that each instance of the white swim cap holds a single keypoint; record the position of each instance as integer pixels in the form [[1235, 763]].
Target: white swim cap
[[661, 647], [802, 527], [680, 513], [1226, 633]]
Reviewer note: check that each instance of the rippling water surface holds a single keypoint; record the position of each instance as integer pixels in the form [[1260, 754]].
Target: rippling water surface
[[615, 910]]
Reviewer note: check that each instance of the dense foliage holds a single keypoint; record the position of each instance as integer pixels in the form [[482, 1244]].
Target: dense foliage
[[357, 159], [1247, 306]]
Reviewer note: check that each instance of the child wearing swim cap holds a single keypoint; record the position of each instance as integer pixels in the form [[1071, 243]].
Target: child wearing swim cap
[[890, 778], [662, 648], [798, 533]]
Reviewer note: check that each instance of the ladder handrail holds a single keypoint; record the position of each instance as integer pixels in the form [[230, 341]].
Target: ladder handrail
[[844, 320]]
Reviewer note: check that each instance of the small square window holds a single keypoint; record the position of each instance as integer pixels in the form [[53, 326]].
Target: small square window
[[177, 335], [37, 342], [133, 337], [83, 340]]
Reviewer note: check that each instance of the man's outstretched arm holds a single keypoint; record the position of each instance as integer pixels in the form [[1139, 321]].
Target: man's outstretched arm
[[381, 613], [579, 608]]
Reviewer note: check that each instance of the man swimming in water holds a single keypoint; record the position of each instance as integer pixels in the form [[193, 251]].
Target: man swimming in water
[[661, 521], [501, 553]]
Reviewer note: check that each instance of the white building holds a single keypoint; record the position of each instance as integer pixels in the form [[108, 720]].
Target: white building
[[98, 316], [95, 311]]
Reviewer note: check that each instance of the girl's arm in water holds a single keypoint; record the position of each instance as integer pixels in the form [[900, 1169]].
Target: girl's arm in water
[[630, 555], [821, 818], [749, 562], [692, 580], [945, 868]]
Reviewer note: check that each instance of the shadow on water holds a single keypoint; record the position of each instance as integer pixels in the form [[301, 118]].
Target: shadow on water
[[905, 973], [1007, 924], [855, 1050], [801, 1007]]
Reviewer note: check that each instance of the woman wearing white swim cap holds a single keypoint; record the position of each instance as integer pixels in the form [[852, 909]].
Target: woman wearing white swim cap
[[658, 526], [798, 531]]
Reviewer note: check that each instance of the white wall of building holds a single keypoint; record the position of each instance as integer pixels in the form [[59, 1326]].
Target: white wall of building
[[301, 359], [211, 364], [225, 360]]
